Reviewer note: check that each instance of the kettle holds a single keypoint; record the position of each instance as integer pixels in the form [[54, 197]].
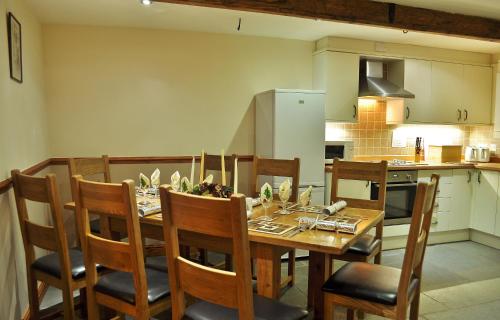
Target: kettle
[[483, 153], [471, 154]]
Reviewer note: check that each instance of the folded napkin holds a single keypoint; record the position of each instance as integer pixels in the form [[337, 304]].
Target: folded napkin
[[186, 185], [175, 181], [144, 182], [155, 178], [148, 208], [305, 197], [336, 207], [285, 190], [266, 192], [209, 179]]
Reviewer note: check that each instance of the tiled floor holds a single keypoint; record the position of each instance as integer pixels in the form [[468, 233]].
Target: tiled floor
[[461, 281]]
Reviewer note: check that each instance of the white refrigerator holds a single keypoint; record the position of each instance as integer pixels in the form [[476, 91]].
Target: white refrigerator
[[290, 123]]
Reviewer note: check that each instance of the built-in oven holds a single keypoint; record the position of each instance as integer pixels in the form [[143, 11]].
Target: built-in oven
[[400, 194]]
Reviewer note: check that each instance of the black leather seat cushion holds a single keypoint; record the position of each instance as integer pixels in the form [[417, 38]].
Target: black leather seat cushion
[[121, 285], [371, 282], [50, 264], [157, 263], [365, 245], [264, 308]]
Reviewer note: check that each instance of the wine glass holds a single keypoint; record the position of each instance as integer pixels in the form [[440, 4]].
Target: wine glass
[[266, 203], [284, 196]]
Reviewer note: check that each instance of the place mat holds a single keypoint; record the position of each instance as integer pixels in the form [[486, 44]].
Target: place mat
[[269, 227]]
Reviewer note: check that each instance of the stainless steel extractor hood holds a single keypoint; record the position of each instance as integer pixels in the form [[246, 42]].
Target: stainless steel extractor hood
[[373, 84]]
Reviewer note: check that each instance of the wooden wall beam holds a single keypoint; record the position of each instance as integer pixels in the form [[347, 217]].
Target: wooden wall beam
[[366, 12]]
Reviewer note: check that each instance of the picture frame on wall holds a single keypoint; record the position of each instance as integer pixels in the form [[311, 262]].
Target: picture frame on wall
[[15, 48]]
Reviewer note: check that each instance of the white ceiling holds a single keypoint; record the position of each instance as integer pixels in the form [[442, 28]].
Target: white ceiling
[[129, 13]]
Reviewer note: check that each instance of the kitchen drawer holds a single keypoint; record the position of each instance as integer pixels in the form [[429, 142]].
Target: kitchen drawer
[[445, 176], [440, 221]]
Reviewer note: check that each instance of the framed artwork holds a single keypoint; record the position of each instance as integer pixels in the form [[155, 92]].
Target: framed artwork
[[15, 48]]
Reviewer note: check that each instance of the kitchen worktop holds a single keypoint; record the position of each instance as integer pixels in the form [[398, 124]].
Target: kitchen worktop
[[493, 166]]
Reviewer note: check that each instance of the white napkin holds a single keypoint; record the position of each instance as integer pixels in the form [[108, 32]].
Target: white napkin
[[336, 207], [209, 179], [144, 182], [305, 197], [266, 192], [175, 181], [285, 190], [186, 185], [155, 178]]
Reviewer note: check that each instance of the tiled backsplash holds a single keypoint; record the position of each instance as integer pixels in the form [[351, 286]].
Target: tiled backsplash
[[372, 136]]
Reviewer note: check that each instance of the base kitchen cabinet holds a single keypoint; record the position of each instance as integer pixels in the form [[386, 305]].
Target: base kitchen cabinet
[[348, 188], [461, 199], [484, 203]]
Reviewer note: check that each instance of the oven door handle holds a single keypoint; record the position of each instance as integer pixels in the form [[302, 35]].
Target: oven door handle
[[393, 185]]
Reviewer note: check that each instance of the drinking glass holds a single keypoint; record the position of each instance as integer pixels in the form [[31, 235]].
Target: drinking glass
[[266, 203], [284, 196]]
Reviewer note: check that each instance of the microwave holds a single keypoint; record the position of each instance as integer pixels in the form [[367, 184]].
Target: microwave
[[342, 149]]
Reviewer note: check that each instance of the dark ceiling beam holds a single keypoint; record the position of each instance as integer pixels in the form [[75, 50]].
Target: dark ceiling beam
[[367, 13]]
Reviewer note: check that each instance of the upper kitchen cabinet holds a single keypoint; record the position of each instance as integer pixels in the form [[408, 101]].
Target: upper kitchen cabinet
[[446, 92], [338, 74], [476, 93], [417, 80]]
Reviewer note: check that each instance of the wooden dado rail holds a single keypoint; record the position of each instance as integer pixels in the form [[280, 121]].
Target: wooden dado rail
[[6, 184]]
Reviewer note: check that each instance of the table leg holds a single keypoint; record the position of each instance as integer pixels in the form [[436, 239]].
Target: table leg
[[268, 263], [320, 268]]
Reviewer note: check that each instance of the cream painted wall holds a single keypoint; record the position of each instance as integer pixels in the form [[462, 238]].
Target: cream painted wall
[[23, 142], [155, 92]]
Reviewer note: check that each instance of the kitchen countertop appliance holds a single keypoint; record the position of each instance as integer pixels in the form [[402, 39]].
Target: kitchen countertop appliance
[[483, 153], [471, 154]]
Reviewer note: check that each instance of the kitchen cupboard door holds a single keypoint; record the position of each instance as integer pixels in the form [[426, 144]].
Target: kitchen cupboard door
[[477, 94], [355, 189], [484, 204], [461, 199], [418, 75], [446, 92], [338, 74]]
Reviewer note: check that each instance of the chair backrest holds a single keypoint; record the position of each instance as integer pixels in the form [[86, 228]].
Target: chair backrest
[[222, 218], [53, 238], [276, 168], [418, 235], [213, 163], [118, 201], [90, 166], [363, 171]]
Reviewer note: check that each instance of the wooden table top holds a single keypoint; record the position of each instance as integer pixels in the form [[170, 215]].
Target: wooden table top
[[313, 240]]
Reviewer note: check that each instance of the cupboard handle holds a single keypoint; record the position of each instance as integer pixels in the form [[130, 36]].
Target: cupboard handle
[[355, 111], [367, 183], [469, 177], [466, 114], [479, 177], [459, 114], [407, 113]]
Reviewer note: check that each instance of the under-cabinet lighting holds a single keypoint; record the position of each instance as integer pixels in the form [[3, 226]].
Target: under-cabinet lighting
[[146, 2]]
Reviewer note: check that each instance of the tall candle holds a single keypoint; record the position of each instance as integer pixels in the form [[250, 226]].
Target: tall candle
[[223, 166], [192, 172], [202, 164], [236, 175]]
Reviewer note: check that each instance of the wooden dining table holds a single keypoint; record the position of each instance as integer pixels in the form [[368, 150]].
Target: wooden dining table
[[267, 249]]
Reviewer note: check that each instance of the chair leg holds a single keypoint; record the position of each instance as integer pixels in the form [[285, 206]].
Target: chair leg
[[378, 258], [92, 307], [68, 302], [203, 256], [415, 305], [83, 302], [360, 314], [291, 267], [33, 297], [350, 314], [329, 310]]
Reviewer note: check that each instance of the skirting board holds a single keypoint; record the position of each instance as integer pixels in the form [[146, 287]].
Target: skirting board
[[486, 239], [397, 242]]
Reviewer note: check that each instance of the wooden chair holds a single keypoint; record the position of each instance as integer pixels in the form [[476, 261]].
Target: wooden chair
[[368, 246], [381, 290], [131, 288], [213, 163], [224, 294], [63, 269], [279, 168], [92, 167]]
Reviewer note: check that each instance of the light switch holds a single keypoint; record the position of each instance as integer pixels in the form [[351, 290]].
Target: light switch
[[399, 139]]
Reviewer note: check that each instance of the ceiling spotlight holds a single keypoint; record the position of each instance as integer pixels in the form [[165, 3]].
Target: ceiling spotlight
[[146, 2]]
